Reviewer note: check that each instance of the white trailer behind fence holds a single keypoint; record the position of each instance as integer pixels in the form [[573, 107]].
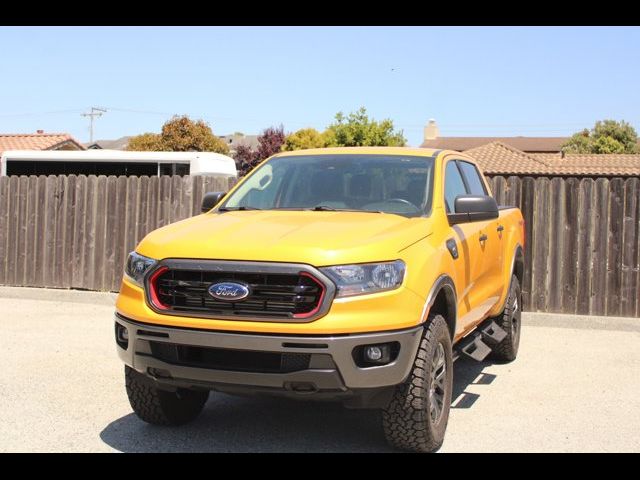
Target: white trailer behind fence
[[115, 162]]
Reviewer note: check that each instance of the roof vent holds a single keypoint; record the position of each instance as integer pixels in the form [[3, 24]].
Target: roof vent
[[39, 131]]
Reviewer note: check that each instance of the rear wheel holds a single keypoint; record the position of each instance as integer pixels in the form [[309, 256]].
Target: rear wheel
[[511, 322], [160, 407], [417, 416]]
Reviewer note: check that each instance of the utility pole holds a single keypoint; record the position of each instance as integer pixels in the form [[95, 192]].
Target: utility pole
[[95, 112]]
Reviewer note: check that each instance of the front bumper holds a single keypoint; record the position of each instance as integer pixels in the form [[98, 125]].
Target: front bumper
[[332, 367]]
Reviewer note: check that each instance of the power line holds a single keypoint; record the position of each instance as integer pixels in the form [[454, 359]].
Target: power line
[[35, 114], [411, 125], [192, 114], [450, 128], [144, 112]]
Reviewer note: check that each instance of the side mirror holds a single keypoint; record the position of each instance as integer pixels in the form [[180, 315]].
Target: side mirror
[[473, 208], [211, 199]]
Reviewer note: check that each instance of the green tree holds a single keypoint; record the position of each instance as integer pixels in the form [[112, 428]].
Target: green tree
[[306, 138], [180, 134], [607, 136], [357, 130], [608, 144], [147, 142]]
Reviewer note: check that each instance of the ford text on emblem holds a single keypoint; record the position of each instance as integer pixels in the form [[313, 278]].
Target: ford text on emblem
[[229, 291]]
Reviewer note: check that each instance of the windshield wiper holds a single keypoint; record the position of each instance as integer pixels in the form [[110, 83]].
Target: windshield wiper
[[319, 208], [232, 209], [324, 208]]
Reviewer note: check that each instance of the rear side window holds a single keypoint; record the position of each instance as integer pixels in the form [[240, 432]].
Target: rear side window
[[453, 185], [474, 180]]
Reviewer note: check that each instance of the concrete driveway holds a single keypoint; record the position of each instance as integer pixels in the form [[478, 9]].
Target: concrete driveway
[[575, 387]]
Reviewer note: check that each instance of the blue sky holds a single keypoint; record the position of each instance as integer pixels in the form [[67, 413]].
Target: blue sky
[[473, 81]]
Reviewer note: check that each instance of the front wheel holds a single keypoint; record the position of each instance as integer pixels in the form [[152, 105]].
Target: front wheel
[[160, 407], [417, 416]]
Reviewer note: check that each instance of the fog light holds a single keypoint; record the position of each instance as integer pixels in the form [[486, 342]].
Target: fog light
[[373, 354]]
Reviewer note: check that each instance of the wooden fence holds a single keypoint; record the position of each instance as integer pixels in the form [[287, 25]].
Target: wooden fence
[[76, 231], [583, 242], [582, 250]]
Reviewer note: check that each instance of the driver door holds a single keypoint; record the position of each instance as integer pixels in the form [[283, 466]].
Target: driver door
[[490, 281], [468, 265]]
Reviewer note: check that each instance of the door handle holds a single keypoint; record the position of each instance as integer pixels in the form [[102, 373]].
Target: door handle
[[483, 238], [500, 228]]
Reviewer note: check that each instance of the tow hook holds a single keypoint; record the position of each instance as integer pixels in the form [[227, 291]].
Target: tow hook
[[303, 388]]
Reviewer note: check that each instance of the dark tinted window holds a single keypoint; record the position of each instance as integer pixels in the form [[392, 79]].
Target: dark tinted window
[[369, 182], [174, 169], [453, 185], [473, 178], [34, 167]]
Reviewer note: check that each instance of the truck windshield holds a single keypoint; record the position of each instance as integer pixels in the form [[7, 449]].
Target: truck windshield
[[396, 184]]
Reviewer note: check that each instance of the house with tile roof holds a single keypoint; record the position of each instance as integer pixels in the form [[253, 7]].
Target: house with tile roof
[[497, 158], [533, 145], [38, 141], [536, 156], [543, 145]]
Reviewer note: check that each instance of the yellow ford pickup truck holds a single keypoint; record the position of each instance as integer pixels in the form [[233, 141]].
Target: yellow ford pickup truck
[[348, 274]]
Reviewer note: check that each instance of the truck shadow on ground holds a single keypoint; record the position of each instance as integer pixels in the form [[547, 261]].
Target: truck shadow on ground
[[240, 424]]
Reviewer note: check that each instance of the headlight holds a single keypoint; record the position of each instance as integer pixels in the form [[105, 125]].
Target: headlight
[[137, 266], [366, 278]]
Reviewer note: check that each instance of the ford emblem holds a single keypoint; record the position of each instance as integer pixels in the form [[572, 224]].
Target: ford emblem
[[229, 291]]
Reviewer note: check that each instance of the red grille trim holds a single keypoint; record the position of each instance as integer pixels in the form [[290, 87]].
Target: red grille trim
[[315, 310], [153, 292]]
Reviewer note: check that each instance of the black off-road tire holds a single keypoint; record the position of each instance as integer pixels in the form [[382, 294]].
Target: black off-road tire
[[407, 420], [160, 407], [511, 322]]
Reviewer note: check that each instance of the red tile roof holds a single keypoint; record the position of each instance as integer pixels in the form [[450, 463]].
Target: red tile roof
[[525, 144], [497, 158], [38, 141], [625, 164]]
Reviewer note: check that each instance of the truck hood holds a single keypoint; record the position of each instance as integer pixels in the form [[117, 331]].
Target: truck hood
[[316, 238]]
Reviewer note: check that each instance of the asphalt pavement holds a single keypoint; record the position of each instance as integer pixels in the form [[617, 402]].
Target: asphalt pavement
[[575, 387]]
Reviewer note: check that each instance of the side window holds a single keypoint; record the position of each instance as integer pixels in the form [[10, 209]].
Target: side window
[[473, 178], [453, 185]]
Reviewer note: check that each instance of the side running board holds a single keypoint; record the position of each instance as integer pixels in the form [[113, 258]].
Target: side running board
[[476, 348], [493, 334], [474, 345]]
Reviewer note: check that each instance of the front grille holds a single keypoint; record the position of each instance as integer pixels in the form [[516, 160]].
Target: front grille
[[227, 359], [290, 295]]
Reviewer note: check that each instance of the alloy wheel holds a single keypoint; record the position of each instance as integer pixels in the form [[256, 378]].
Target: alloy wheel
[[437, 384], [515, 322]]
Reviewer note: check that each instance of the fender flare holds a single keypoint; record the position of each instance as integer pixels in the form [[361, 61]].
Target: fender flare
[[443, 282], [518, 251]]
